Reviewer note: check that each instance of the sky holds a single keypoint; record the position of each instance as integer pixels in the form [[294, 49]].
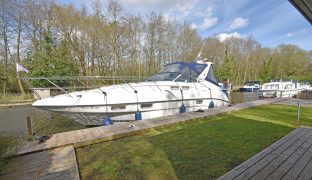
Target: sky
[[270, 22]]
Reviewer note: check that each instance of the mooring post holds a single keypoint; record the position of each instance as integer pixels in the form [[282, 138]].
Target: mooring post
[[298, 112], [30, 136]]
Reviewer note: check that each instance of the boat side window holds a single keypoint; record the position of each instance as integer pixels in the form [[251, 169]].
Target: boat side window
[[288, 86]]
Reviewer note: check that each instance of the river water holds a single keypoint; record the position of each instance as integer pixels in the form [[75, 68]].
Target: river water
[[13, 128]]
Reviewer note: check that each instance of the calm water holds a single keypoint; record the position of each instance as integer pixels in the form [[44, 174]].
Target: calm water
[[238, 97], [13, 128], [13, 121]]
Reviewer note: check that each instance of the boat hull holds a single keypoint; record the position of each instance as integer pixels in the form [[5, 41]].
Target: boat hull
[[279, 94], [94, 115], [256, 89]]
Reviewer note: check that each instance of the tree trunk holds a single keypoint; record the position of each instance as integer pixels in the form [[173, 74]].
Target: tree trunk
[[19, 31], [246, 66], [5, 55]]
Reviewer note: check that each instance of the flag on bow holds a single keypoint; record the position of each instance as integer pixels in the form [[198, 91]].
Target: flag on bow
[[20, 68]]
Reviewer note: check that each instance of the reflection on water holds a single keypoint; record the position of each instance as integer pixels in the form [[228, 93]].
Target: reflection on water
[[13, 122], [13, 127], [239, 97]]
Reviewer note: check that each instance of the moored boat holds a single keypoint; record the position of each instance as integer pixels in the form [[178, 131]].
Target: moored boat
[[250, 86], [179, 87], [281, 89]]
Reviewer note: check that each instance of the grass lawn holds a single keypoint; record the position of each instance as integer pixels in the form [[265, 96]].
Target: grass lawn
[[15, 98], [204, 149]]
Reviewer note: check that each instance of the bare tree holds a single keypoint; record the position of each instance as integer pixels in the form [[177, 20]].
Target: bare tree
[[4, 21]]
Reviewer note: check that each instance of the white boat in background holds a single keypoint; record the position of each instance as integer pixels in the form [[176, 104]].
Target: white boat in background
[[179, 87], [281, 89], [251, 86]]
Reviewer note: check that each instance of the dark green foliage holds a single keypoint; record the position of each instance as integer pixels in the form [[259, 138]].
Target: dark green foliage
[[226, 71], [267, 71], [50, 60]]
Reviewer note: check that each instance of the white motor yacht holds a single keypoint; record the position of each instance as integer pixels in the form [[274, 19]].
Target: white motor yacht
[[179, 87], [281, 89]]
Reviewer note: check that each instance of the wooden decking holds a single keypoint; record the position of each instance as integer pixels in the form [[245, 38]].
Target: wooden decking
[[60, 163], [289, 158], [89, 136]]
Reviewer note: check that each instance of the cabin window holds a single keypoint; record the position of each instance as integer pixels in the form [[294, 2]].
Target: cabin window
[[174, 87], [143, 106], [272, 87], [199, 101], [118, 107], [288, 86]]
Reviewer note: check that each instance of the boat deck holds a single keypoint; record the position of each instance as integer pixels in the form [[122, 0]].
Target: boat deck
[[288, 158]]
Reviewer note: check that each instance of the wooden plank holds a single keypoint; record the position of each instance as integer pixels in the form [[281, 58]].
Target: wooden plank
[[294, 163], [307, 171], [291, 154], [297, 168], [249, 163], [60, 162], [250, 172]]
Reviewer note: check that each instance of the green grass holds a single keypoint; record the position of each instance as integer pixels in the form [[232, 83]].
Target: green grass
[[204, 149], [15, 98], [278, 114]]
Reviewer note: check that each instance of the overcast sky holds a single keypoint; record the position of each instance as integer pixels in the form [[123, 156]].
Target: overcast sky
[[271, 22]]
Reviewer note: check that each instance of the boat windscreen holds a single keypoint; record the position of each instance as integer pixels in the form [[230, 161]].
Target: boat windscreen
[[179, 71], [252, 83], [190, 69], [164, 76]]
